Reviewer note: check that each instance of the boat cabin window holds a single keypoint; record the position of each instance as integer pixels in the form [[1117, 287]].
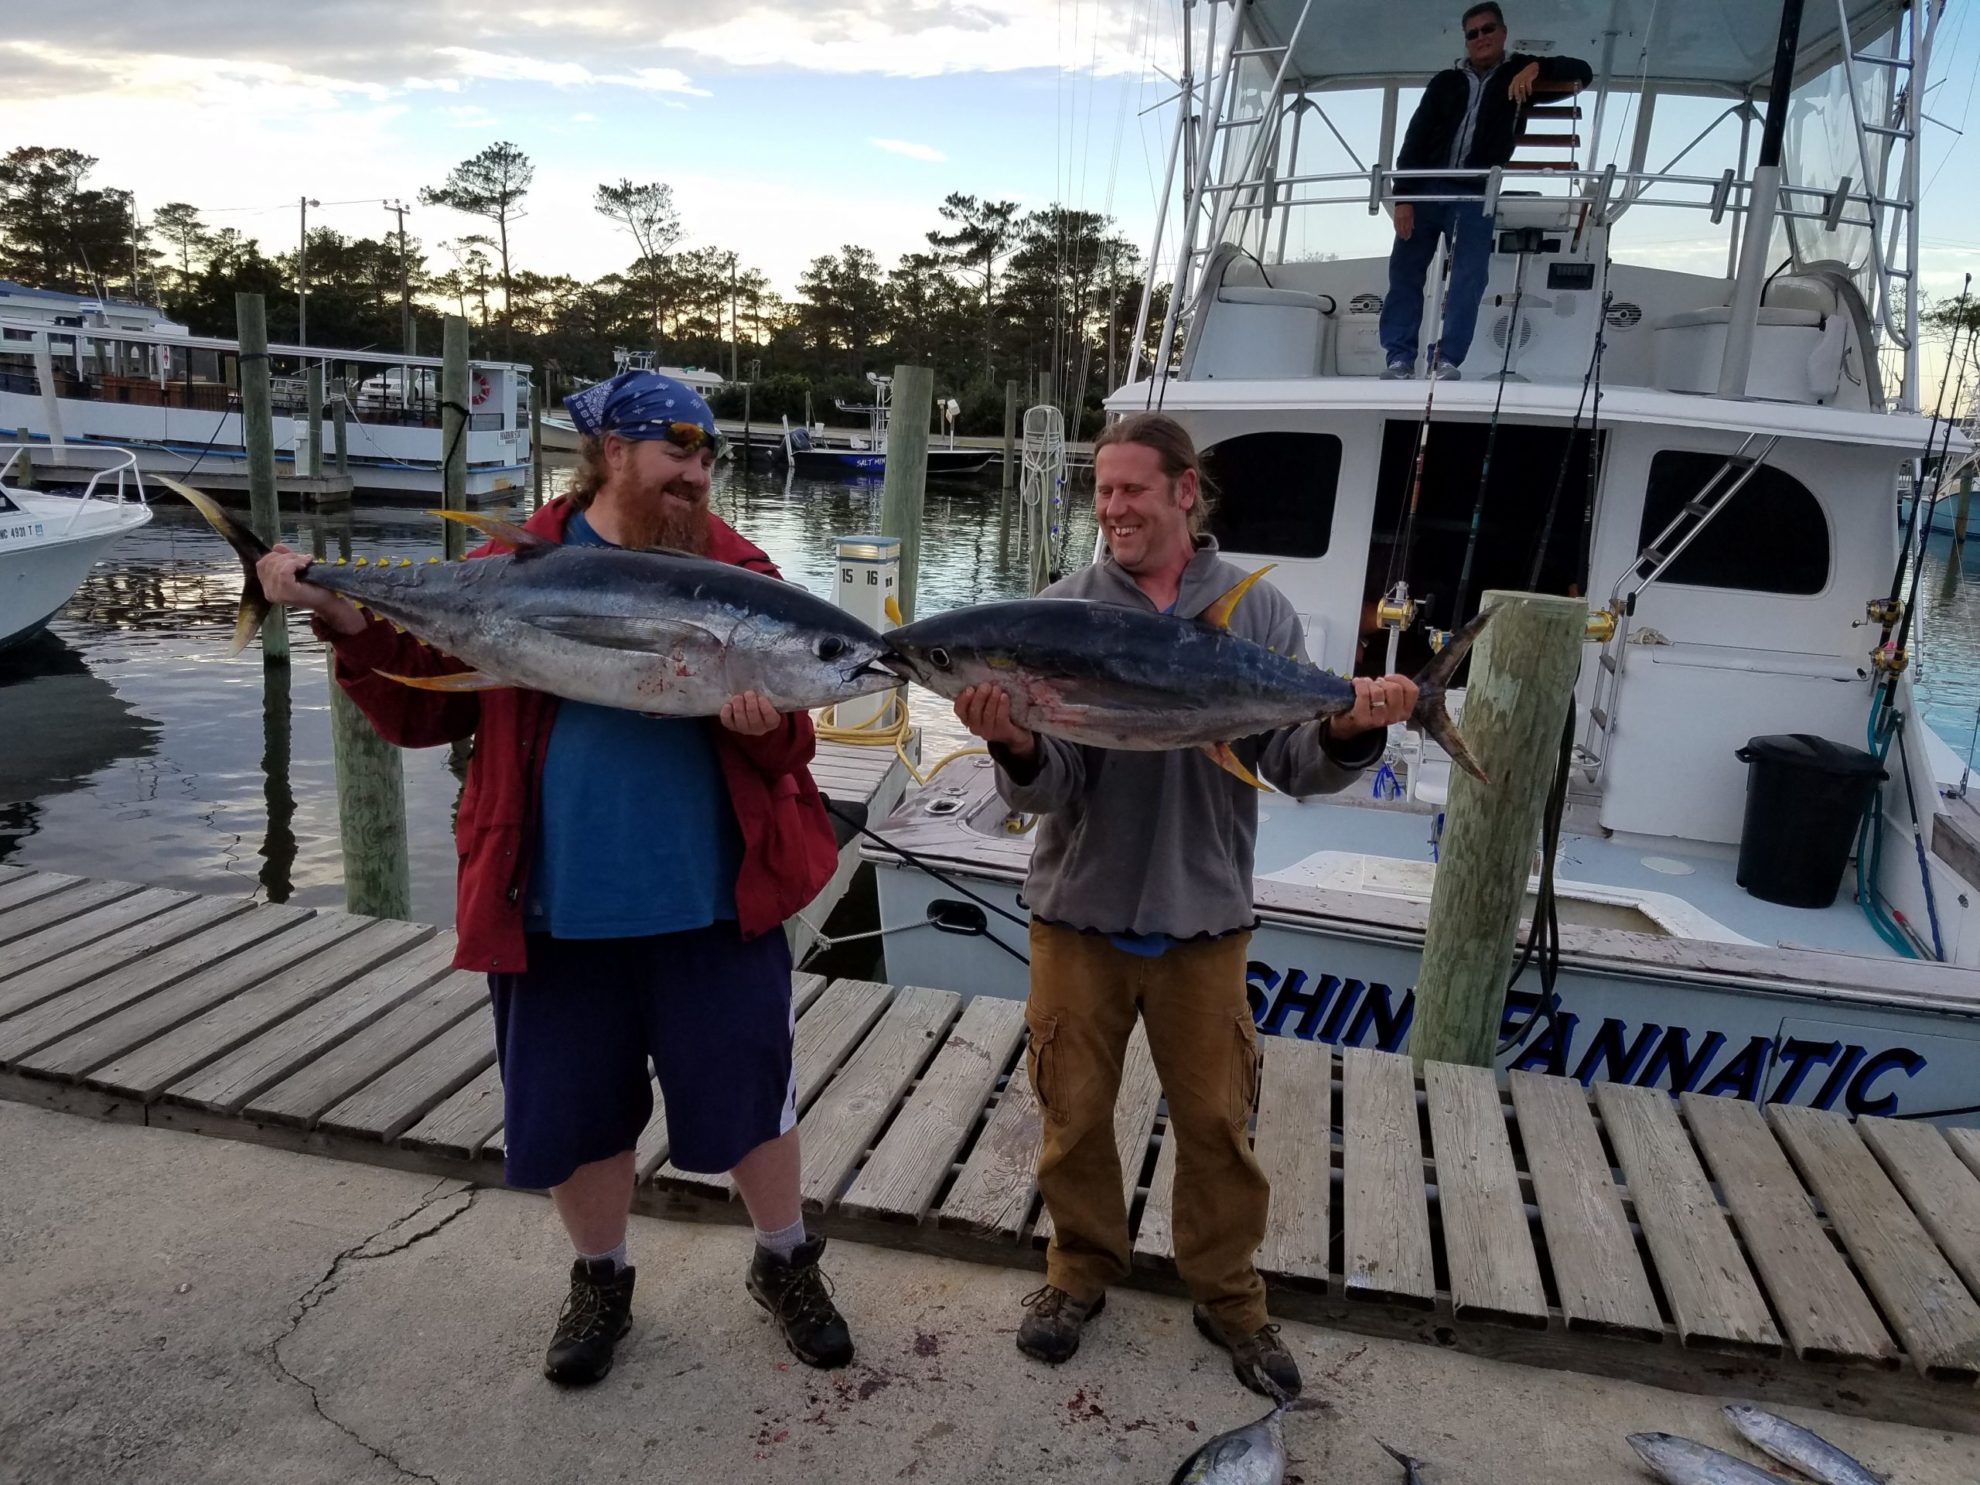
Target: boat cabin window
[[1771, 537], [1274, 492]]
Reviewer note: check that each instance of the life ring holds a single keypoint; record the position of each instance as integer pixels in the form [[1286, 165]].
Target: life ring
[[479, 387]]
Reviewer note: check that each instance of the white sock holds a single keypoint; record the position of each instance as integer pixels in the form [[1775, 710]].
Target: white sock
[[784, 1242], [616, 1255]]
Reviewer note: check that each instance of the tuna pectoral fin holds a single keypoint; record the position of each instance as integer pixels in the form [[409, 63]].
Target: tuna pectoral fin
[[1218, 615], [1221, 755], [497, 529], [1432, 682], [247, 546], [460, 680]]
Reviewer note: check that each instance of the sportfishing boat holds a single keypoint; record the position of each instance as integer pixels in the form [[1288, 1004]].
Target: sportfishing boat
[[1711, 457], [49, 542], [866, 458], [92, 385]]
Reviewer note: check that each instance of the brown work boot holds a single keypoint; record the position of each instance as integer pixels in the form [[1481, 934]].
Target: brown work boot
[[1259, 1360], [1050, 1332]]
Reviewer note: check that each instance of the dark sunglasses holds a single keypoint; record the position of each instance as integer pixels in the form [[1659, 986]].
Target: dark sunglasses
[[1485, 30]]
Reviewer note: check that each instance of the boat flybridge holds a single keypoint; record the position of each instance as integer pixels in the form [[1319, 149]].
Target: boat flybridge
[[1692, 390]]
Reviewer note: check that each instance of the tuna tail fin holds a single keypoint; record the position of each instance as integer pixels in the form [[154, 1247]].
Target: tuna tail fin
[[1432, 681], [247, 546], [1412, 1468]]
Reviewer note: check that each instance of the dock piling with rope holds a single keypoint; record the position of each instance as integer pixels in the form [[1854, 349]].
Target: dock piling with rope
[[258, 434], [906, 481]]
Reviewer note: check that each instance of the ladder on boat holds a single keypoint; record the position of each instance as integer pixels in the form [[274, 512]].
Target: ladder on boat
[[1893, 258], [1650, 564]]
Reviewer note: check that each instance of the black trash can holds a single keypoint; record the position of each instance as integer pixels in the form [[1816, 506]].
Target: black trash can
[[1805, 797]]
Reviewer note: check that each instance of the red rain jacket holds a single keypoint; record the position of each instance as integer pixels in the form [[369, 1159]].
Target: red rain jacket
[[789, 853]]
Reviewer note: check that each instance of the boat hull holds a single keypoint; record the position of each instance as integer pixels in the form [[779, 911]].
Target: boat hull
[[820, 463], [38, 576]]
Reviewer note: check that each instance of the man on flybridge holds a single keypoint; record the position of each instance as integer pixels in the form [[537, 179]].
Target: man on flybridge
[[1469, 119]]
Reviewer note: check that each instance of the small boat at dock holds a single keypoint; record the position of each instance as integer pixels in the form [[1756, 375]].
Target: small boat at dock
[[49, 542]]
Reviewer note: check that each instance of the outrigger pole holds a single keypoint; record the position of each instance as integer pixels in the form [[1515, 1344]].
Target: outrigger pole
[[1762, 202]]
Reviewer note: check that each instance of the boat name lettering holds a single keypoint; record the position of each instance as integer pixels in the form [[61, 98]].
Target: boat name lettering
[[1859, 1078]]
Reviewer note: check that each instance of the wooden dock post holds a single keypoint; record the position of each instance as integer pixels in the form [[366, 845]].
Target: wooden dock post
[[745, 437], [313, 381], [535, 454], [907, 470], [340, 410], [1010, 440], [258, 432], [453, 430], [1522, 683], [371, 810]]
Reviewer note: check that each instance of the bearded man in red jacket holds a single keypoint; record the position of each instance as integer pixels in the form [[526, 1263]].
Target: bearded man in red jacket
[[624, 881]]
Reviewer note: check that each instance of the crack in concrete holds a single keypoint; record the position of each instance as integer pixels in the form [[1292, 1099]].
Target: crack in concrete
[[331, 1280]]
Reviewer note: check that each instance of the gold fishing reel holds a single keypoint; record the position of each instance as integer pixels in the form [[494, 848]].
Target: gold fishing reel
[[1889, 660], [1601, 626], [1885, 611], [1395, 612]]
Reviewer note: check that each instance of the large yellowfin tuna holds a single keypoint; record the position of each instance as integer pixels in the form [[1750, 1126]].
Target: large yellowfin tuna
[[657, 632], [1115, 677]]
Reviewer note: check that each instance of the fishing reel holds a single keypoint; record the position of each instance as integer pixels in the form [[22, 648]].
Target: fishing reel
[[1885, 611], [1889, 660], [1601, 626]]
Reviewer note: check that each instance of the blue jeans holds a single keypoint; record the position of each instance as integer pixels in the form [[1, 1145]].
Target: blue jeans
[[1470, 234]]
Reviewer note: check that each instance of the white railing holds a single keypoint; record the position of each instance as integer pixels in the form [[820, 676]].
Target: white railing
[[123, 464]]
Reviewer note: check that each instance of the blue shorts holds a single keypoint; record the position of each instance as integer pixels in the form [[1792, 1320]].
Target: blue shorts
[[574, 1034]]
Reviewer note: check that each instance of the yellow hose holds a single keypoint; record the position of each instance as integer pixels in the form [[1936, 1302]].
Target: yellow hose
[[889, 728]]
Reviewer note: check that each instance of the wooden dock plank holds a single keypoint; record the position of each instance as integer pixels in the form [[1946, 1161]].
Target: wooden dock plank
[[1825, 1312], [89, 1047], [848, 1116], [31, 887], [224, 1086], [1134, 1118], [826, 1034], [406, 1092], [1294, 1148], [1155, 1234], [653, 1144], [53, 907], [93, 911], [459, 1126], [1915, 1287], [12, 873], [1488, 1239], [321, 1084], [994, 1190], [107, 994], [1712, 1293], [1943, 1192], [117, 951], [1385, 1209], [1966, 1145], [1598, 1273], [909, 1164], [147, 1071]]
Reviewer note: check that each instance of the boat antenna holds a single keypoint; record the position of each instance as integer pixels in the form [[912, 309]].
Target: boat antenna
[[1492, 430], [1574, 427]]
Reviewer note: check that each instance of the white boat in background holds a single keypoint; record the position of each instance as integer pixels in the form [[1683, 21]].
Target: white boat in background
[[1713, 456], [48, 542], [93, 381], [560, 435]]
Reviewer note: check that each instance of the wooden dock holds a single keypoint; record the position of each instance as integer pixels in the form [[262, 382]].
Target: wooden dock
[[1706, 1244]]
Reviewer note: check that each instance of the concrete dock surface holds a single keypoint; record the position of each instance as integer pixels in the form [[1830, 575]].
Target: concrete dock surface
[[181, 1309]]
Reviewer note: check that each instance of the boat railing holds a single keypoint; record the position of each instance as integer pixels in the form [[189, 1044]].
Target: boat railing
[[126, 480]]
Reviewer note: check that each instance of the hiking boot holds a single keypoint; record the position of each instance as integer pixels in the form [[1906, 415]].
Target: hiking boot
[[597, 1313], [1050, 1333], [1259, 1360], [800, 1300]]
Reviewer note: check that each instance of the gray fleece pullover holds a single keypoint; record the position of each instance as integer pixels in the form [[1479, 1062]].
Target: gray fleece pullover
[[1162, 842]]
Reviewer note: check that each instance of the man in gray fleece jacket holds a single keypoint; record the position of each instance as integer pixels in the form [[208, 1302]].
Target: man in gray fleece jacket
[[1140, 892]]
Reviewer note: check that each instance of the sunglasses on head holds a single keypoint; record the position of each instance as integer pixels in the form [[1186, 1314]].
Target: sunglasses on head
[[688, 437], [1485, 30]]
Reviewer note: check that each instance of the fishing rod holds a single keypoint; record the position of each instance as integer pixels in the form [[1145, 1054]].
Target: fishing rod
[[914, 860], [1567, 451], [1394, 609], [1492, 431]]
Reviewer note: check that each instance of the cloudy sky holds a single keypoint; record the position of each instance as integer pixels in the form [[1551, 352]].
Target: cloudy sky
[[786, 127]]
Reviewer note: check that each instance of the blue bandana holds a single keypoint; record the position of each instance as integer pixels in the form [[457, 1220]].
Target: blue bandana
[[639, 404]]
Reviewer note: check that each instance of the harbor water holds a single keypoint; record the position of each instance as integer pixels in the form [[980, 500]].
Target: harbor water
[[132, 746]]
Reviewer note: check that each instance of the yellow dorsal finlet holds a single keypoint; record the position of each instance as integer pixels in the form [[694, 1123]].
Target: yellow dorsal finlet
[[1218, 615]]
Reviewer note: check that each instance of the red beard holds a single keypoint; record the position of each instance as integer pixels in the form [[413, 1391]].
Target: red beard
[[665, 522]]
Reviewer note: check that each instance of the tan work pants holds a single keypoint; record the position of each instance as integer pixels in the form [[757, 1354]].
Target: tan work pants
[[1084, 996]]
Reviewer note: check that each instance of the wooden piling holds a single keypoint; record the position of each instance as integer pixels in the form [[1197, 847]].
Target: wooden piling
[[1522, 683], [258, 433], [453, 430], [371, 810], [535, 454], [1010, 442], [313, 382], [24, 471], [907, 470], [745, 437], [340, 410]]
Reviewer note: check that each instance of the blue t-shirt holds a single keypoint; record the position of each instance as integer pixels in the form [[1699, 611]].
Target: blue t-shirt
[[636, 834]]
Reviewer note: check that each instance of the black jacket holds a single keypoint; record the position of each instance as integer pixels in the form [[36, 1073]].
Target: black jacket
[[1427, 143]]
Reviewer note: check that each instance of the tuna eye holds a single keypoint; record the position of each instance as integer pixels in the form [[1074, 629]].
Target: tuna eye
[[939, 658], [830, 647]]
